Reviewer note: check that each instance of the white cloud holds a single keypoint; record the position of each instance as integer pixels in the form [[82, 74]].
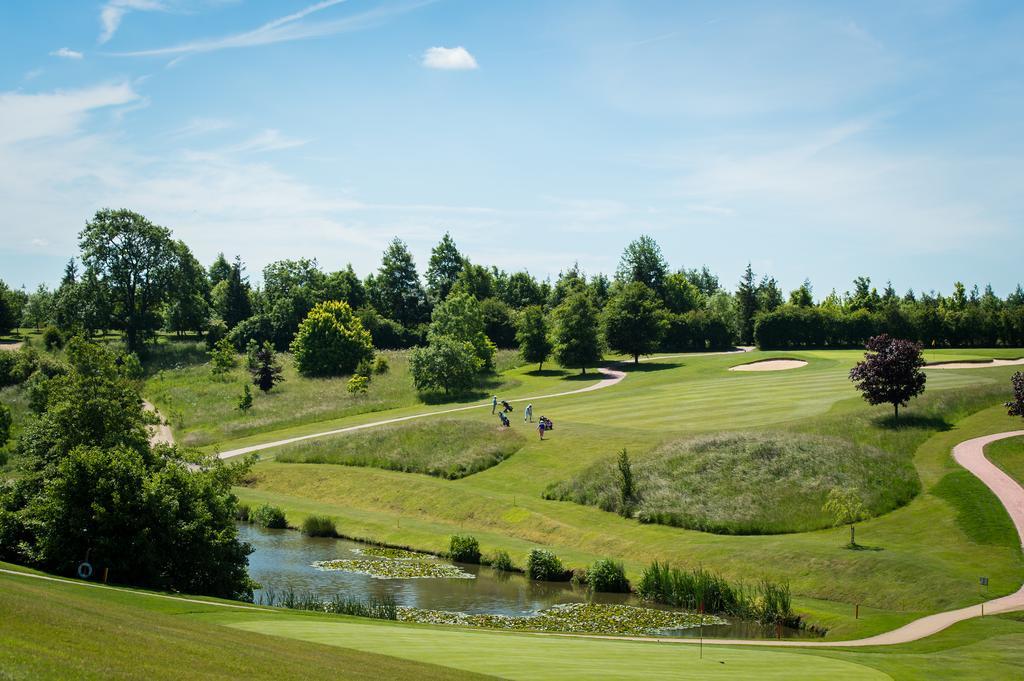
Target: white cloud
[[449, 59], [26, 117], [113, 12], [67, 53], [284, 29]]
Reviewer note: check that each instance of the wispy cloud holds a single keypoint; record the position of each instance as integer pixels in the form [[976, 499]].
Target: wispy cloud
[[113, 12], [67, 53], [287, 28], [199, 126], [449, 59], [26, 117]]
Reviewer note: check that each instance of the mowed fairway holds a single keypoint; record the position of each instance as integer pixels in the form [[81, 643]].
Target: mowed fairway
[[923, 557]]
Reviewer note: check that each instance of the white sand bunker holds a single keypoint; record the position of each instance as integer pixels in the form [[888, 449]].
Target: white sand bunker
[[980, 364], [770, 365]]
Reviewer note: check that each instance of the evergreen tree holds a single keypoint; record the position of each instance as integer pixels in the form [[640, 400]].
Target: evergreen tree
[[746, 299], [237, 304], [443, 269], [803, 296], [396, 291], [220, 270], [265, 370]]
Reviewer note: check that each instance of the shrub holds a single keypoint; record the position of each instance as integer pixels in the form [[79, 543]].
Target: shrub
[[608, 576], [269, 516], [331, 341], [380, 365], [216, 330], [357, 385], [319, 526], [542, 565], [131, 366], [53, 338], [502, 561], [364, 368], [5, 424], [464, 549], [447, 364], [242, 512], [245, 401]]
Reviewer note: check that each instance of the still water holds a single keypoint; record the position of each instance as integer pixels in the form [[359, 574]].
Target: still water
[[283, 560]]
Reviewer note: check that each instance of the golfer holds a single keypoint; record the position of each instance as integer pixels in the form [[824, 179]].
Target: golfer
[[528, 414], [494, 403]]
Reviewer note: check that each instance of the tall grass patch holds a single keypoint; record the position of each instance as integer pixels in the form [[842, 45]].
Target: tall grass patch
[[445, 448], [747, 483]]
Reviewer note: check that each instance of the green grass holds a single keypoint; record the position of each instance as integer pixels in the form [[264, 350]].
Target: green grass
[[202, 408], [446, 447], [918, 558], [748, 483], [1008, 454]]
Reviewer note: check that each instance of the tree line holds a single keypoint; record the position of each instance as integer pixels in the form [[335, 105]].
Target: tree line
[[132, 276]]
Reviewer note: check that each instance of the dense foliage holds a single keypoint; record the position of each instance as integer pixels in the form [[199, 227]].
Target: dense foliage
[[607, 576], [634, 321], [463, 548], [576, 334], [92, 487], [331, 341], [542, 565], [1015, 407], [446, 364]]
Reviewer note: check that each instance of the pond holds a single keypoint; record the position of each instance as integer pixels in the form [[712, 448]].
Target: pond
[[283, 560]]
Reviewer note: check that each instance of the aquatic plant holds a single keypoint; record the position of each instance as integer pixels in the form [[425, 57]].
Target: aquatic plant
[[395, 569]]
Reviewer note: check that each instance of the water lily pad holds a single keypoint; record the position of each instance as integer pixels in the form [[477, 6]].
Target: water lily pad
[[395, 569], [390, 553]]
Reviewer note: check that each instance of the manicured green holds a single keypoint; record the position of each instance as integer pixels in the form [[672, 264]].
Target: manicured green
[[747, 483], [1008, 454], [444, 447]]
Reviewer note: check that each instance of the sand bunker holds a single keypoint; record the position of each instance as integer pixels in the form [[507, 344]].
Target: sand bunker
[[770, 365], [981, 364]]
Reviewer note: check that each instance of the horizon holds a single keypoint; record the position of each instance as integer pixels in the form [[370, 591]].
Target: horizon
[[538, 135]]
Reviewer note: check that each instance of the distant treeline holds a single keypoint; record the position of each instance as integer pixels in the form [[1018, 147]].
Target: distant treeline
[[132, 276]]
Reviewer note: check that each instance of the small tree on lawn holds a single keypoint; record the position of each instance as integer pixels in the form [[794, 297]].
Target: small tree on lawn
[[222, 357], [532, 335], [634, 320], [331, 341], [576, 334], [845, 507], [627, 486], [1015, 407], [891, 372], [245, 401], [266, 372], [446, 364]]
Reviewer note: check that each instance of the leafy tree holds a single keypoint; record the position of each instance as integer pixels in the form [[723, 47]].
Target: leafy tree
[[461, 318], [446, 364], [498, 323], [705, 281], [476, 280], [571, 281], [396, 291], [232, 296], [446, 263], [265, 370], [746, 299], [643, 262], [627, 485], [1015, 407], [135, 259], [577, 340], [634, 321], [681, 295], [37, 307], [222, 357], [521, 290], [891, 372], [331, 341], [802, 296], [5, 424], [188, 308], [245, 401], [8, 319], [220, 270], [533, 336], [846, 508], [769, 295], [358, 384], [346, 286]]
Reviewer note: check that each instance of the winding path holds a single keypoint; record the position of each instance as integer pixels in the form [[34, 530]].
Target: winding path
[[611, 377]]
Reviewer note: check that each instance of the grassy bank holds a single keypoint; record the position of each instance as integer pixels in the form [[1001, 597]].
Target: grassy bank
[[1008, 454]]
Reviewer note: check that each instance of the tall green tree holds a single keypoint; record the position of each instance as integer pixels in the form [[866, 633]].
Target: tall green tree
[[576, 335], [331, 341], [444, 267], [533, 335], [643, 261], [521, 290], [396, 291], [37, 308], [634, 321], [220, 270], [447, 364], [233, 296], [188, 307], [802, 296], [460, 317], [746, 303], [346, 286], [135, 260], [8, 319]]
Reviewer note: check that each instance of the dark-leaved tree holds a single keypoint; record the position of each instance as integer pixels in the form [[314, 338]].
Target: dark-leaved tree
[[265, 370], [891, 372], [1015, 407]]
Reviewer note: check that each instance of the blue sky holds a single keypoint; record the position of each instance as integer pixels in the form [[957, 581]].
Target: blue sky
[[820, 140]]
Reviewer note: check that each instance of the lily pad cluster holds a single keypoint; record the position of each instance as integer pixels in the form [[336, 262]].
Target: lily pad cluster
[[591, 618], [390, 553], [395, 569]]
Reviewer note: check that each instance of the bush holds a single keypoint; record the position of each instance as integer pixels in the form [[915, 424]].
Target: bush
[[319, 526], [245, 401], [380, 365], [216, 330], [131, 366], [53, 338], [331, 341], [357, 385], [608, 576], [447, 364], [242, 512], [542, 565], [268, 516], [502, 561], [464, 549], [222, 357], [5, 424]]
